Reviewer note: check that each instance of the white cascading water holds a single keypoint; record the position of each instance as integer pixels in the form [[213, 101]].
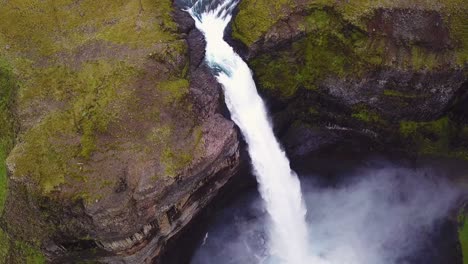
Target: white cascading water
[[279, 185]]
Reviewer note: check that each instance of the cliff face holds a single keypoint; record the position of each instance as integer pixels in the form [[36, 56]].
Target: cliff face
[[117, 146], [392, 71]]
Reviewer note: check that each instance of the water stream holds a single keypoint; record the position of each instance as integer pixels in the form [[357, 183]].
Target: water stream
[[279, 186]]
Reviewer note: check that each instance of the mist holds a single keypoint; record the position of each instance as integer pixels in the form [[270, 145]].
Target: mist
[[385, 214]]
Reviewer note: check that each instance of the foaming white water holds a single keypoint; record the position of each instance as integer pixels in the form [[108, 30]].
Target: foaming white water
[[279, 185]]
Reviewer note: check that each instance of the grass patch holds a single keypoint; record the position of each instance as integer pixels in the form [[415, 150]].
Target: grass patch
[[422, 59], [18, 251], [29, 254], [463, 235], [3, 180], [395, 93], [439, 137], [46, 27], [175, 159], [4, 246], [367, 116], [175, 89], [331, 47], [69, 95], [7, 87], [94, 98], [255, 18]]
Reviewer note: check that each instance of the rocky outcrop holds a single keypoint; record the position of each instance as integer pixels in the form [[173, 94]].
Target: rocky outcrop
[[392, 72], [121, 140]]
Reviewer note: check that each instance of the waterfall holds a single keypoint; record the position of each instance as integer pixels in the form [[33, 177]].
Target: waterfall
[[278, 184]]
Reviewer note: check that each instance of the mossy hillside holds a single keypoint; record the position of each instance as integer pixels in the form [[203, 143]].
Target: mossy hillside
[[367, 116], [11, 250], [21, 252], [153, 121], [256, 17], [4, 246], [92, 99], [7, 88], [94, 79], [68, 104], [56, 150], [454, 13], [331, 47], [399, 94], [456, 16], [43, 28], [336, 46], [17, 250], [442, 137]]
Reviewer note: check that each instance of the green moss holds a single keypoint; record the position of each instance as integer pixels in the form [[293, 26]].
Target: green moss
[[159, 135], [463, 235], [41, 157], [313, 111], [277, 73], [80, 76], [456, 16], [137, 29], [4, 246], [367, 116], [3, 180], [46, 27], [395, 93], [331, 47], [175, 89], [18, 251], [255, 17], [94, 99], [174, 159], [408, 128], [422, 59], [7, 87], [434, 138], [29, 254]]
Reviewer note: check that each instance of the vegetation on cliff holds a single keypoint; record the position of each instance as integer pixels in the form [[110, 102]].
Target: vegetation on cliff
[[350, 41], [79, 66], [7, 88], [98, 87], [442, 137], [331, 47], [333, 41], [463, 235], [256, 17]]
